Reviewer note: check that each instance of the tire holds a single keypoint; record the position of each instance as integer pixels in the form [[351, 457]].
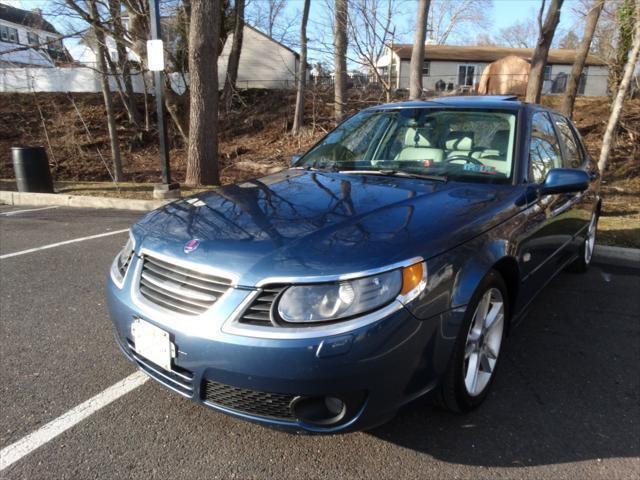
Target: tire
[[585, 254], [457, 392]]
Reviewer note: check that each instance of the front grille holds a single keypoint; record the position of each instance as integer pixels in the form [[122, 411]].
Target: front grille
[[180, 289], [259, 312], [262, 404], [124, 260]]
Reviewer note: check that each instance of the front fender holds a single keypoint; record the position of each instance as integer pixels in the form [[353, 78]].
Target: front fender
[[454, 276]]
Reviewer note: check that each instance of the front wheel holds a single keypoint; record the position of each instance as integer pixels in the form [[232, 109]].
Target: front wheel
[[477, 349]]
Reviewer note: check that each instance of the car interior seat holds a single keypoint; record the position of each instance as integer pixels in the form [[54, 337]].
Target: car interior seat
[[418, 147], [496, 155], [459, 144]]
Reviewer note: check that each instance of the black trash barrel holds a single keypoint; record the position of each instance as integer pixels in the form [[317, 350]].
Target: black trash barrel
[[31, 168]]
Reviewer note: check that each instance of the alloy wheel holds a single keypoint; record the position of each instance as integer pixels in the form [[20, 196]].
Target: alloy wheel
[[483, 342], [590, 241]]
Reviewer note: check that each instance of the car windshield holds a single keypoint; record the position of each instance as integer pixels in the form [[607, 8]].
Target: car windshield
[[474, 144]]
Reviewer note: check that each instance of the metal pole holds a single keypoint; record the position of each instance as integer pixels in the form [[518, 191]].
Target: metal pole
[[154, 14]]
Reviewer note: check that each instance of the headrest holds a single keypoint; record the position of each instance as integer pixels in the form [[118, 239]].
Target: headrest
[[500, 140], [459, 141], [415, 137]]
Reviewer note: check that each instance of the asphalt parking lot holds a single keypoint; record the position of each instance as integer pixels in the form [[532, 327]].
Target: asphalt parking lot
[[566, 403]]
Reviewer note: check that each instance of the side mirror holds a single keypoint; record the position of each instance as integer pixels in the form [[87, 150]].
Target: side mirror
[[564, 180], [294, 159]]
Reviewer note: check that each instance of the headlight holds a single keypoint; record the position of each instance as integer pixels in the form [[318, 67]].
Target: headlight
[[340, 300], [121, 262]]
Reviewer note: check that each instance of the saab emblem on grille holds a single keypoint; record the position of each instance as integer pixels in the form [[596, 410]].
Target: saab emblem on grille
[[191, 245]]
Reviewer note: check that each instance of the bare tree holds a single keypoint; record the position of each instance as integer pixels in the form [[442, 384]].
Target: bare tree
[[371, 33], [271, 17], [626, 19], [447, 17], [520, 34], [581, 56], [540, 54], [204, 36], [298, 118], [124, 65], [340, 58], [417, 53], [616, 109], [101, 53], [236, 49]]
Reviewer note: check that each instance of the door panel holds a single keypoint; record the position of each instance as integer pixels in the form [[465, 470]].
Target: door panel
[[545, 248]]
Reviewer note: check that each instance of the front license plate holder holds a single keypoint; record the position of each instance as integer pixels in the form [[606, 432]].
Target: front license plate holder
[[152, 343]]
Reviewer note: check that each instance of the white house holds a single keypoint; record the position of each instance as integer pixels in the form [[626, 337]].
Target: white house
[[460, 67], [264, 62], [28, 40]]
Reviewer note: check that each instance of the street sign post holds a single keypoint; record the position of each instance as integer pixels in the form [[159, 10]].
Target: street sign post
[[155, 62]]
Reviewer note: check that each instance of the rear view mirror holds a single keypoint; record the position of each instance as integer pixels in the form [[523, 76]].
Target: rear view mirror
[[564, 180]]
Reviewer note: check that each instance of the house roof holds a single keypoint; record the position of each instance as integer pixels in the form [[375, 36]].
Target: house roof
[[27, 18], [477, 53]]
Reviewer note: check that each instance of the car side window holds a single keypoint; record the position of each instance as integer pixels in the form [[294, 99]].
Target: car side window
[[544, 149], [573, 153]]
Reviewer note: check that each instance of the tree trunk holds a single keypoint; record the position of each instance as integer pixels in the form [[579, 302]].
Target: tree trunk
[[540, 54], [581, 56], [340, 59], [417, 52], [616, 109], [177, 105], [106, 93], [123, 62], [234, 55], [625, 20], [298, 118], [204, 34]]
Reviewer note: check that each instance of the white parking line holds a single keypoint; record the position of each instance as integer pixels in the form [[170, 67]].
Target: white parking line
[[28, 444], [15, 212], [59, 244]]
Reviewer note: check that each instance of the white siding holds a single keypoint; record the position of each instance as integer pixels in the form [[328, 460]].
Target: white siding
[[264, 63], [439, 70], [447, 71], [26, 80], [25, 56]]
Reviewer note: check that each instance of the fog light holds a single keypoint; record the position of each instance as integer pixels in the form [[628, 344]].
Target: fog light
[[334, 405]]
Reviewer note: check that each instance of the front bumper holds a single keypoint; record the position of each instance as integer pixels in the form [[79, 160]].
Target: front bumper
[[376, 368]]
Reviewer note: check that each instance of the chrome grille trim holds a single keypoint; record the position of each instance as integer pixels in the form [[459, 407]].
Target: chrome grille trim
[[179, 289], [259, 311]]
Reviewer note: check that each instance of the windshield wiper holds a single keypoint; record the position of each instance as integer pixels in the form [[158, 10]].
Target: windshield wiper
[[399, 173]]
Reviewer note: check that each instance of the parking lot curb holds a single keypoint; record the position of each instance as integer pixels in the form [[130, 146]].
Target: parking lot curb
[[78, 201], [618, 256]]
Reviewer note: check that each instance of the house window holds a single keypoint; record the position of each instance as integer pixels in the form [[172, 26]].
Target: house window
[[547, 72], [54, 44], [33, 39], [426, 69], [8, 34], [582, 83], [466, 74]]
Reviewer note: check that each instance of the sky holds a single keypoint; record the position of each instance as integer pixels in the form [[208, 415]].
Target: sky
[[503, 14]]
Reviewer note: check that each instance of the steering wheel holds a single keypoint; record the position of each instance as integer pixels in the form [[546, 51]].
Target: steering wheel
[[466, 159]]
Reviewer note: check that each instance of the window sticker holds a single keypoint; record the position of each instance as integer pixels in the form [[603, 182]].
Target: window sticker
[[486, 169]]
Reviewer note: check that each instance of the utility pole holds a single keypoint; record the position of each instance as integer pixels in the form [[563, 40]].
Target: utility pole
[[166, 189]]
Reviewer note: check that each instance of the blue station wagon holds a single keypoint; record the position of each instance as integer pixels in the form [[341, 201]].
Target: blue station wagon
[[387, 263]]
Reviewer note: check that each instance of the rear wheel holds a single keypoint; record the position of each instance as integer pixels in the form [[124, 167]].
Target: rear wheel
[[477, 349], [581, 264]]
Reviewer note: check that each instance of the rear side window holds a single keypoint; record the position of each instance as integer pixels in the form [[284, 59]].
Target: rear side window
[[573, 153], [544, 150]]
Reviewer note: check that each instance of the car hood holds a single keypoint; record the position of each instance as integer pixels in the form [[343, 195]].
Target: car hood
[[307, 223]]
